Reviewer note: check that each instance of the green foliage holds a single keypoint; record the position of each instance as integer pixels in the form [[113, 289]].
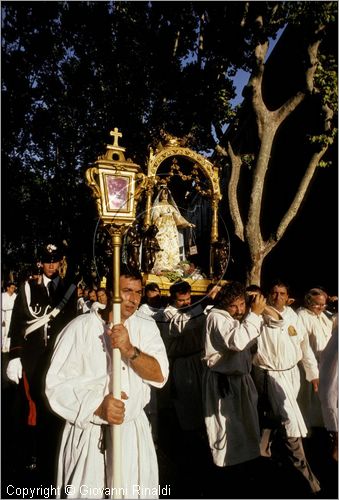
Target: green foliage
[[312, 14], [323, 139], [324, 164], [326, 81], [248, 161], [326, 87]]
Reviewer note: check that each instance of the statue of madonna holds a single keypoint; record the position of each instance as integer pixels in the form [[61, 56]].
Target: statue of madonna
[[166, 216]]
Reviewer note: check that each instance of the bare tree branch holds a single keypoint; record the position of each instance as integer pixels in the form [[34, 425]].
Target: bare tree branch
[[305, 182], [232, 192], [201, 39], [220, 150], [176, 43], [289, 106], [258, 181], [312, 51], [243, 20], [255, 83], [298, 199], [328, 117]]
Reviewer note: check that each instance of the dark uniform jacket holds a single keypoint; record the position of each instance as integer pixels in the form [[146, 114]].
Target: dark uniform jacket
[[35, 351]]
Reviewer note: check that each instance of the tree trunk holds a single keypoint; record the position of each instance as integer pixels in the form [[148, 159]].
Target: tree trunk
[[248, 226], [253, 276]]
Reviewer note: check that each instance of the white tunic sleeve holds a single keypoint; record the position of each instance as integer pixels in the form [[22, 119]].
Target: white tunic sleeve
[[7, 302], [75, 385], [236, 336], [225, 333], [308, 359]]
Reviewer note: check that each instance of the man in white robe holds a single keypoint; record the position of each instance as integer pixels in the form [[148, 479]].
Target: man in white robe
[[318, 327], [328, 387], [7, 304], [230, 396], [77, 387], [281, 345]]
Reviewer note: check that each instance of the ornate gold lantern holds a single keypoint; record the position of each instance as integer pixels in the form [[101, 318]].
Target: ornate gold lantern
[[113, 182]]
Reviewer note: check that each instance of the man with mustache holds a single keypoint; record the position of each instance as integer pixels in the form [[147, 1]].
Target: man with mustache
[[230, 396], [78, 389]]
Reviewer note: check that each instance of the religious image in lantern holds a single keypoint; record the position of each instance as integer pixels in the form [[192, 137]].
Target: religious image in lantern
[[117, 189]]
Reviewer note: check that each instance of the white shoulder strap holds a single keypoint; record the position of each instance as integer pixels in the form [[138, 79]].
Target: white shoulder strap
[[43, 320]]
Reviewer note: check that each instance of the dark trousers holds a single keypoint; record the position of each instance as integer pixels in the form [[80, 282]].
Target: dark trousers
[[45, 433], [296, 454]]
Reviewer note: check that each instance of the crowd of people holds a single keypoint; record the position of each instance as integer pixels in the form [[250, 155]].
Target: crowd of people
[[215, 390]]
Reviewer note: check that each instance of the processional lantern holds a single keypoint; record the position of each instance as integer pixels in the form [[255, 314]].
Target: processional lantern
[[113, 182]]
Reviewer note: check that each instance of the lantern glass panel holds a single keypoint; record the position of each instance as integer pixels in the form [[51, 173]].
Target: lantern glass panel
[[117, 193]]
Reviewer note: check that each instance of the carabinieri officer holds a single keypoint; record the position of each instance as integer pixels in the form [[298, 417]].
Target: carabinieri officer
[[41, 310]]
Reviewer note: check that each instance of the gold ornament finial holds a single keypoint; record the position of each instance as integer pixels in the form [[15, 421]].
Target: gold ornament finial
[[103, 282], [116, 134]]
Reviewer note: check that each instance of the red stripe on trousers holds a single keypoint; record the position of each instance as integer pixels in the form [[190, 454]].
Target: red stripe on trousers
[[32, 408]]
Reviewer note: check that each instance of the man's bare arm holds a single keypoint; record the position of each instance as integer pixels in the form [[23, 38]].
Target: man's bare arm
[[147, 367]]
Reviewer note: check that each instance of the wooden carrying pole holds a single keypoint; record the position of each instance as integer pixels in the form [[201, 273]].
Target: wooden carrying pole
[[116, 366]]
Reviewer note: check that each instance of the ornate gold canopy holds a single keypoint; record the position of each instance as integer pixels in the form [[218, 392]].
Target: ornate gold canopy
[[173, 148]]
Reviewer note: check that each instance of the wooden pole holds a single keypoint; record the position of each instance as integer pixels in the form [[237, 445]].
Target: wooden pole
[[214, 234], [147, 221], [116, 364]]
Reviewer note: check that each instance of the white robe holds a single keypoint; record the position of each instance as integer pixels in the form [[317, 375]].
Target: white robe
[[231, 418], [76, 384], [328, 382], [281, 345], [7, 304], [318, 328]]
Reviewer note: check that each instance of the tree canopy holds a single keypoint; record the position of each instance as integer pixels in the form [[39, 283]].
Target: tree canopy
[[71, 71]]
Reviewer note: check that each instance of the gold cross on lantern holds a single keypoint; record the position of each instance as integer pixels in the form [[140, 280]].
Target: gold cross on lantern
[[116, 134]]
